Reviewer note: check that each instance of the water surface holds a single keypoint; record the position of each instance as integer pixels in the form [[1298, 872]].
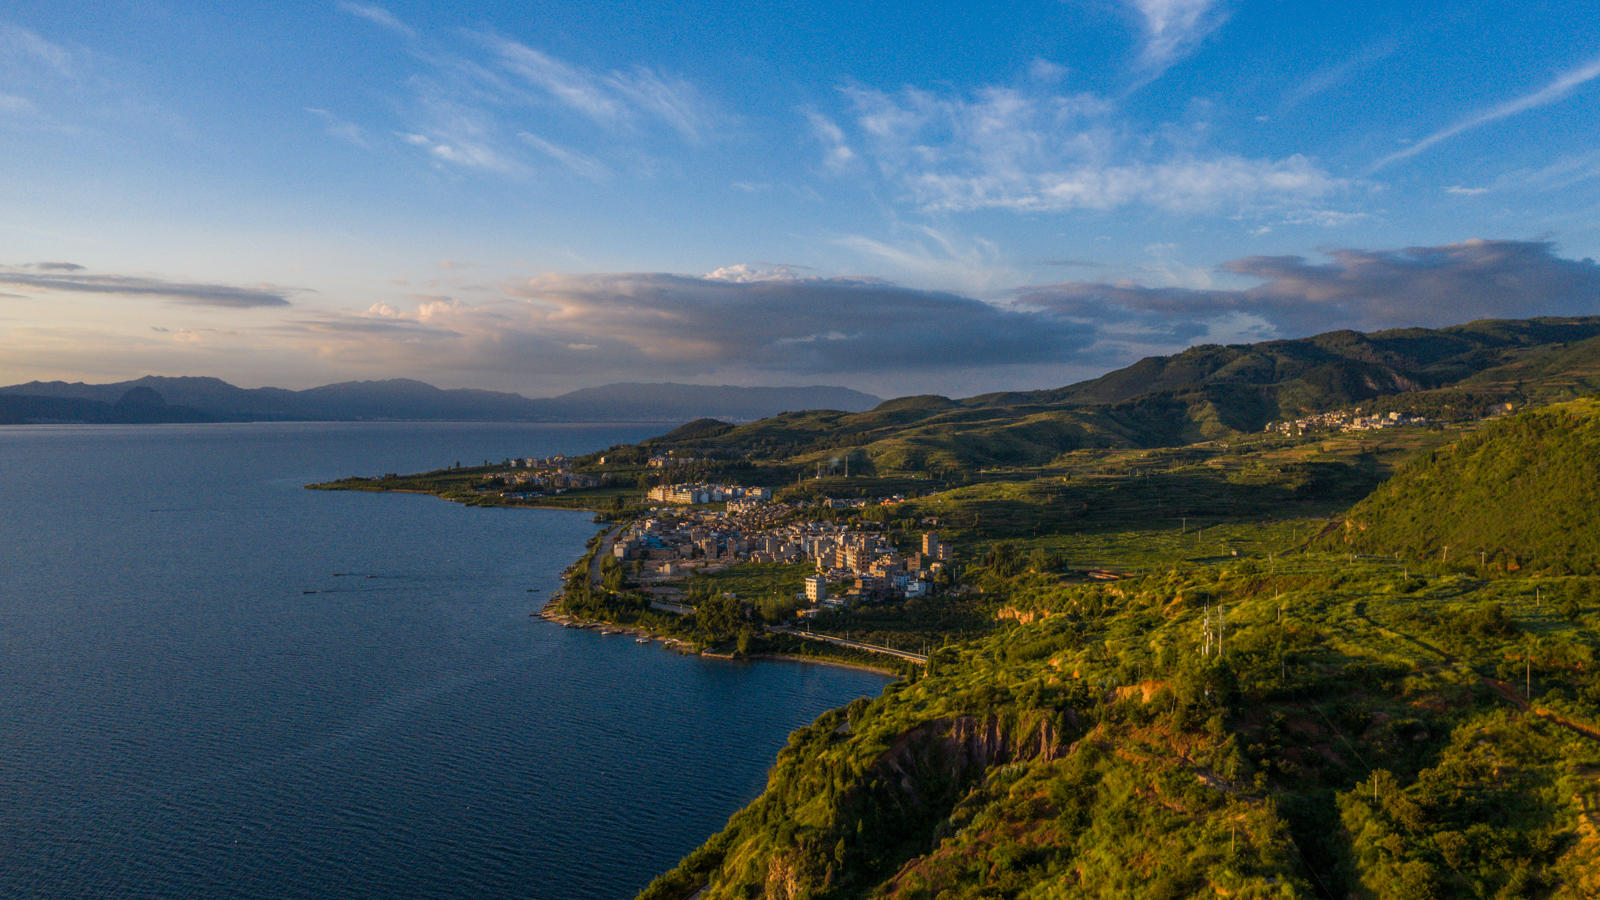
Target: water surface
[[216, 683]]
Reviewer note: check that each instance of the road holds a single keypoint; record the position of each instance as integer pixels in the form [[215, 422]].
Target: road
[[600, 555], [846, 642]]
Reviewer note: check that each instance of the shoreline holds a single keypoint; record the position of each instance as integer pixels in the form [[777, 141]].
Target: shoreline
[[318, 486], [689, 648], [683, 646]]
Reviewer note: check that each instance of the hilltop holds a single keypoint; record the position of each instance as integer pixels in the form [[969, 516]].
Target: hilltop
[[1204, 393], [1522, 493]]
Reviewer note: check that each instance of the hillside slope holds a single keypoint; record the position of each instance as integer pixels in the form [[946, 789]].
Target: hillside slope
[[1523, 492], [1205, 393]]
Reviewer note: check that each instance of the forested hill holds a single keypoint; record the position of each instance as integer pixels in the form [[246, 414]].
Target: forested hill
[[1522, 493], [1206, 392]]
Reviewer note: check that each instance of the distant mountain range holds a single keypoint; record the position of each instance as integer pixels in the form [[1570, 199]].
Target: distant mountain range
[[159, 399]]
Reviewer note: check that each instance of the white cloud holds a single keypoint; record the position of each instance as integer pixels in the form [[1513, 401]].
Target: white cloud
[[1465, 191], [1564, 84], [1032, 150], [1173, 29], [498, 105], [836, 153], [744, 273]]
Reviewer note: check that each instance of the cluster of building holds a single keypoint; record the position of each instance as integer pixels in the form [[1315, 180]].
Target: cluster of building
[[1344, 420], [701, 492], [533, 475], [863, 565], [664, 461]]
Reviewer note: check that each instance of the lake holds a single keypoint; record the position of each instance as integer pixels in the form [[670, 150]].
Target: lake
[[216, 683]]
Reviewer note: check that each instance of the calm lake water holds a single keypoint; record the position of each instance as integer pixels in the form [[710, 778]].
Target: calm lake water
[[214, 683]]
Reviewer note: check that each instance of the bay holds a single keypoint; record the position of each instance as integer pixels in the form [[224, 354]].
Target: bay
[[216, 683]]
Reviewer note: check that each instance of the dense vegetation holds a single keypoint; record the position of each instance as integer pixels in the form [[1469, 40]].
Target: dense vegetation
[[1209, 392], [1177, 656], [1249, 710], [1354, 730], [1523, 493]]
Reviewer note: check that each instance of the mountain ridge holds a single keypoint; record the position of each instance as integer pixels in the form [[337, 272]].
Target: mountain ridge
[[202, 398]]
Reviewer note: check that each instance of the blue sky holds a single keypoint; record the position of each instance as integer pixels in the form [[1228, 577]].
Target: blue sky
[[914, 198]]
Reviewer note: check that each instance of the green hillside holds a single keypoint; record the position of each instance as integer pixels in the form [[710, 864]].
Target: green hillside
[[1522, 493], [1204, 393], [1352, 731], [1237, 712]]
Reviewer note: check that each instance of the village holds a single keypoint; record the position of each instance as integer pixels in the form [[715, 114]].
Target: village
[[1344, 421], [851, 565]]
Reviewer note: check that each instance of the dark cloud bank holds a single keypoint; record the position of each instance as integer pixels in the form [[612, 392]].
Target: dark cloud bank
[[64, 276], [1360, 289]]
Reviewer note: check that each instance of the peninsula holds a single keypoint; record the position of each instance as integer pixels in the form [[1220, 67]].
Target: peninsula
[[1289, 619]]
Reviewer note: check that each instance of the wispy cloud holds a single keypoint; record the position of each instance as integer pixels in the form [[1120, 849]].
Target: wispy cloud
[[929, 256], [23, 49], [836, 152], [1034, 150], [1330, 77], [1557, 89], [1173, 29], [335, 127], [69, 278], [576, 163], [619, 98], [377, 15], [485, 102]]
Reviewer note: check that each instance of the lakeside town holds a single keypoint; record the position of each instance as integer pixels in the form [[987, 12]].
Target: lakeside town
[[851, 564]]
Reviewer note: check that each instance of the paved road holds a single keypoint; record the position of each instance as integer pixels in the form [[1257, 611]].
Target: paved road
[[600, 555]]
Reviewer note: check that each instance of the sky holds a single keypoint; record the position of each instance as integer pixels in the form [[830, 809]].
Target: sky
[[900, 198]]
